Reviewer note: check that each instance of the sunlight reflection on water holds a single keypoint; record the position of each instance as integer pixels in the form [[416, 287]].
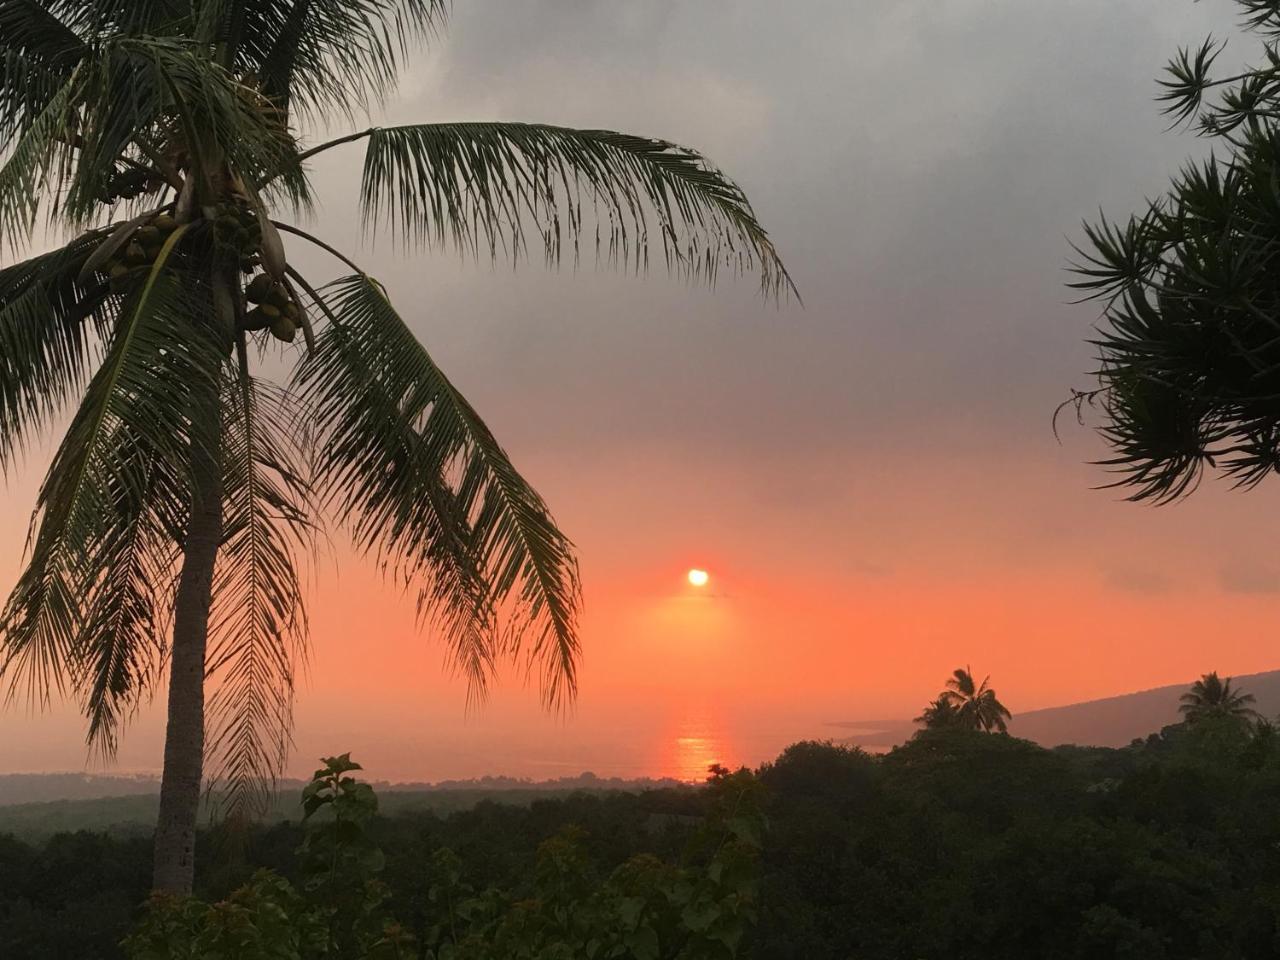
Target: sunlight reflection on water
[[632, 744], [691, 742], [692, 756]]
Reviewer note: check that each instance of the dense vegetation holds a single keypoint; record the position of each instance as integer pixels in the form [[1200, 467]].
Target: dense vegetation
[[957, 844]]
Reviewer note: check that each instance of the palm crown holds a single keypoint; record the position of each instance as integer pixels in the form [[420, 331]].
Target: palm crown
[[166, 133], [969, 704], [1212, 697]]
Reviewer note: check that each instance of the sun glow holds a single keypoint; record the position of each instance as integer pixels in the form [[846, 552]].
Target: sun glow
[[698, 578]]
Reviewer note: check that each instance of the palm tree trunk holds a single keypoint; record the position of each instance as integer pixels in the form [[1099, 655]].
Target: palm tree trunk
[[184, 736], [174, 866]]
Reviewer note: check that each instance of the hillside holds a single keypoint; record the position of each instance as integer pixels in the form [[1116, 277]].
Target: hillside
[[1117, 721], [1109, 722], [41, 787]]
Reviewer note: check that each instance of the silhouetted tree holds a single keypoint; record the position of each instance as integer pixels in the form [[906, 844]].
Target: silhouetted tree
[[1188, 352], [940, 713], [975, 704], [1211, 698]]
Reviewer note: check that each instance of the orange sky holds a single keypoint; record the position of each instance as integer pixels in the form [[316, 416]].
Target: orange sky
[[872, 480], [803, 623]]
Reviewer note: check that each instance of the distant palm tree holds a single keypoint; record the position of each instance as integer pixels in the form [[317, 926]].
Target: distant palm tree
[[976, 705], [940, 713], [1211, 697]]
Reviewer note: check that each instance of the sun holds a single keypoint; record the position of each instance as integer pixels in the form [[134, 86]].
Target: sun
[[698, 578]]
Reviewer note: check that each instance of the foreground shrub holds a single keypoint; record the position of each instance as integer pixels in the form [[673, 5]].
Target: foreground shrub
[[645, 909]]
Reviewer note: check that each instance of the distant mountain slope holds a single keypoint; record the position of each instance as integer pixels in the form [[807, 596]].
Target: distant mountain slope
[[41, 787], [1110, 722], [1116, 721]]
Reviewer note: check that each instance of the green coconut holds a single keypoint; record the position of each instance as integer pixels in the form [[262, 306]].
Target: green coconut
[[278, 295], [258, 289], [135, 253], [283, 329], [255, 319], [119, 277], [271, 310]]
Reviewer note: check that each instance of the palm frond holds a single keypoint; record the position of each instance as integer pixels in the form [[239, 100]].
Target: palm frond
[[258, 624], [121, 644], [139, 393], [35, 155], [127, 94], [426, 484], [960, 684], [37, 54], [1188, 78], [35, 30], [108, 18], [486, 186], [150, 84], [394, 494], [322, 56], [49, 323]]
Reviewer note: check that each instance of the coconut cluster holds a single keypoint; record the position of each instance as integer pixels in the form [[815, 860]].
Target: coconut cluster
[[141, 250], [274, 309], [236, 225], [241, 233]]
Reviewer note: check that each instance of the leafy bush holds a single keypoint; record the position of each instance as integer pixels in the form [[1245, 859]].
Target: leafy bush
[[338, 913], [645, 909]]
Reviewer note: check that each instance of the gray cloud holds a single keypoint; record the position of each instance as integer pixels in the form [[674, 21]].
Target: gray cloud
[[1241, 575], [921, 165], [1136, 580]]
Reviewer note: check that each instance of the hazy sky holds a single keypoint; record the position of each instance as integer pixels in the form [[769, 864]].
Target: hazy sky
[[872, 480]]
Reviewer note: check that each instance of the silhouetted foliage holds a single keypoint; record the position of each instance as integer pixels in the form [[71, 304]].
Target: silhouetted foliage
[[956, 844], [566, 907], [1188, 353], [966, 704], [940, 713], [1211, 697]]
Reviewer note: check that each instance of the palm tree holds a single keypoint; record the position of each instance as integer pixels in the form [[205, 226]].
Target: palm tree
[[188, 487], [1211, 698], [976, 705]]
